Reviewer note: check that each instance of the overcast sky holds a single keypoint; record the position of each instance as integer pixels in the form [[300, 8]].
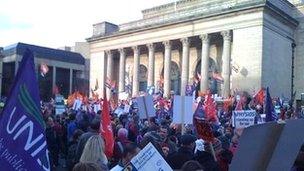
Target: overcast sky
[[56, 23]]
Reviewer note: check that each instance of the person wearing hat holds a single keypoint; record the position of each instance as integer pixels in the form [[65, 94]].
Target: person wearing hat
[[184, 153]]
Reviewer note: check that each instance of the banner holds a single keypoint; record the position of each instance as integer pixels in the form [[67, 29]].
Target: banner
[[243, 118], [23, 144], [148, 159]]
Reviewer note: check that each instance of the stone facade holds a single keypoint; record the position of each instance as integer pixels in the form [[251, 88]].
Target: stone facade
[[260, 36]]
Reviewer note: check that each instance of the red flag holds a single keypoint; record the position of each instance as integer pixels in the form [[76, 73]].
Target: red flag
[[227, 104], [210, 108], [259, 96], [203, 129], [106, 128]]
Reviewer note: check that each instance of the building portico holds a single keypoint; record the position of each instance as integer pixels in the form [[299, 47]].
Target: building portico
[[231, 40]]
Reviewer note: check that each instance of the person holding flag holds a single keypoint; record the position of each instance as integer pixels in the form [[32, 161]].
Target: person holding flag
[[23, 142]]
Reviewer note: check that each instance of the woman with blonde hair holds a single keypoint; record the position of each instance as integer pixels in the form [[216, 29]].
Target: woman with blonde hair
[[94, 152]]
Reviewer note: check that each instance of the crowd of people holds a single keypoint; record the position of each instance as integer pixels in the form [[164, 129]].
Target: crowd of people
[[75, 135]]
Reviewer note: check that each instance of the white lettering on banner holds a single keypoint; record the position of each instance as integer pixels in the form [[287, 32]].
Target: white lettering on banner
[[29, 126], [243, 118]]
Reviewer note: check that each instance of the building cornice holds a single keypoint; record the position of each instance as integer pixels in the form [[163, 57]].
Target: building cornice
[[244, 9]]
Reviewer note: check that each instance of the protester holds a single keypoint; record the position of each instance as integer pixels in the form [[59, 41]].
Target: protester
[[93, 152], [87, 167], [132, 133], [94, 130], [52, 141], [192, 165], [184, 153], [71, 158], [129, 151]]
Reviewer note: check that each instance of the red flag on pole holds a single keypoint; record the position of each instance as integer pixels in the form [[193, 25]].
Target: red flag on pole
[[203, 129], [210, 108], [259, 96], [106, 128]]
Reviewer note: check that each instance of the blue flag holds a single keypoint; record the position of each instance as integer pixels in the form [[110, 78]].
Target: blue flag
[[23, 144], [269, 109]]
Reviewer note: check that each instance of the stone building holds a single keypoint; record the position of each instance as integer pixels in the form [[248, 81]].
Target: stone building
[[66, 69], [249, 42]]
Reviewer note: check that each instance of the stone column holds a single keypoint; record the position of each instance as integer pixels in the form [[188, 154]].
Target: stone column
[[226, 62], [151, 57], [185, 65], [122, 68], [135, 83], [167, 68], [205, 62], [109, 71], [71, 81], [54, 78]]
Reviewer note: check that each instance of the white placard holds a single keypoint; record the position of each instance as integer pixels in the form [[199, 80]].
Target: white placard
[[243, 118], [97, 107], [77, 104], [127, 108], [123, 96], [149, 159], [180, 103], [145, 107]]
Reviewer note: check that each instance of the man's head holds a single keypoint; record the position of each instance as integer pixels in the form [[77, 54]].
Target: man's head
[[188, 140], [95, 124], [130, 150], [163, 131]]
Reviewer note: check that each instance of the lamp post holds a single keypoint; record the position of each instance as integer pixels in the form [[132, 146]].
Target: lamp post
[[293, 46]]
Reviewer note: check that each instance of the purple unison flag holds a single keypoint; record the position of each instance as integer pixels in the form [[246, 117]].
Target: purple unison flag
[[269, 109], [23, 143]]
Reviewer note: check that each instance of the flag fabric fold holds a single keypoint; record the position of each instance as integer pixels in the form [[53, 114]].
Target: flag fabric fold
[[106, 128], [269, 109], [210, 108], [22, 129], [259, 97]]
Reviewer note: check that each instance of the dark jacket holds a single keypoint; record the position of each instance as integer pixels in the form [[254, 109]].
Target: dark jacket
[[177, 159], [207, 161]]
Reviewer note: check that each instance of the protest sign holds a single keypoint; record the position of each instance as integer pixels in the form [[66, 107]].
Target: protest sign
[[256, 146], [288, 146], [148, 159], [77, 104], [243, 118], [273, 143], [182, 109], [59, 104], [145, 107], [123, 96], [96, 107]]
